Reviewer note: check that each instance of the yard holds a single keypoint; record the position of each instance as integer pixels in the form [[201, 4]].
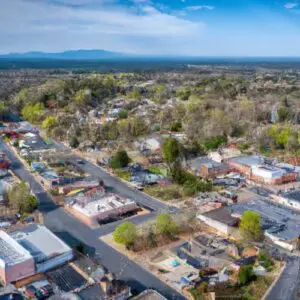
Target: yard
[[166, 193]]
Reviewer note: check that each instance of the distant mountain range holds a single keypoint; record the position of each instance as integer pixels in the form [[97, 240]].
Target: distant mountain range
[[68, 55]]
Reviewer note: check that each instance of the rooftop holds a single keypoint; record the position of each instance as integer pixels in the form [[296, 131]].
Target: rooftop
[[11, 252], [222, 215], [250, 161], [105, 203], [285, 221], [40, 242], [197, 163]]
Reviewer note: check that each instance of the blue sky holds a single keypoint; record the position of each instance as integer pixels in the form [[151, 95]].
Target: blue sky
[[175, 27]]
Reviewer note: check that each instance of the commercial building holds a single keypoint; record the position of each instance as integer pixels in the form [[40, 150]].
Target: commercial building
[[95, 205], [220, 219], [280, 224], [257, 169], [15, 261], [207, 168], [46, 249]]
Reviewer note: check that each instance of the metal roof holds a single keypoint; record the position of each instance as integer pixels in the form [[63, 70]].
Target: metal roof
[[11, 252], [40, 242]]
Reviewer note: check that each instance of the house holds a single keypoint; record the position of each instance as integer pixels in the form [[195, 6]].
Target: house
[[207, 168], [220, 219]]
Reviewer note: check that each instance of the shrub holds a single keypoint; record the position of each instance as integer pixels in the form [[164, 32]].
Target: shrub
[[165, 225], [120, 160], [245, 275], [125, 234]]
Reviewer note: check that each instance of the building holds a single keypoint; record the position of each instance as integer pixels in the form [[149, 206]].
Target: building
[[257, 169], [47, 250], [207, 168], [220, 219], [150, 295], [95, 205], [15, 261], [280, 224]]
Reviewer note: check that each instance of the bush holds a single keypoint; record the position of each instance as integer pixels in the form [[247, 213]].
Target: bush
[[165, 225], [125, 234], [120, 160], [123, 114], [123, 174], [245, 275], [214, 143]]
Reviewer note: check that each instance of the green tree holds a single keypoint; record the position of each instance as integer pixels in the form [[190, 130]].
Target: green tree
[[73, 141], [125, 234], [33, 113], [245, 275], [123, 113], [49, 123], [3, 110], [20, 198], [250, 225], [138, 126], [171, 150], [165, 225], [82, 97], [120, 160]]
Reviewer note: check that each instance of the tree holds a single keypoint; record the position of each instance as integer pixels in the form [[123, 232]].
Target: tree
[[245, 274], [33, 113], [165, 225], [49, 123], [250, 225], [125, 234], [73, 142], [82, 97], [3, 110], [120, 160], [20, 198], [171, 150]]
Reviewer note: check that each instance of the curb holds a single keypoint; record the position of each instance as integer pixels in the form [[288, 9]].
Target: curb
[[273, 283]]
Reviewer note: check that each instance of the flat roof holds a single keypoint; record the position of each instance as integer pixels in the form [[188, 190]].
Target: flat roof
[[251, 160], [222, 215], [105, 203], [277, 216], [40, 242], [11, 252]]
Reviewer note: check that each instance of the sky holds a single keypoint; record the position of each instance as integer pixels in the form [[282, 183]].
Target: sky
[[158, 27]]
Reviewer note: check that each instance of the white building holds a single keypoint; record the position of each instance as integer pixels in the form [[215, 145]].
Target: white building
[[105, 207], [47, 250], [15, 262]]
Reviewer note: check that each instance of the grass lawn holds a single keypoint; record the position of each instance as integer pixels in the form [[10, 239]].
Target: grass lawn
[[165, 193], [123, 174], [159, 171]]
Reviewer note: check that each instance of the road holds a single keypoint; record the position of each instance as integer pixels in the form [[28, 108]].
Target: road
[[70, 229], [288, 285]]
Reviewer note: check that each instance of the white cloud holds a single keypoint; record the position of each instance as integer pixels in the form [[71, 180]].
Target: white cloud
[[291, 5], [200, 7], [33, 25]]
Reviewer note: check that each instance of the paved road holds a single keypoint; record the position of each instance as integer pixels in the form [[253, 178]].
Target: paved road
[[288, 285], [70, 229]]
